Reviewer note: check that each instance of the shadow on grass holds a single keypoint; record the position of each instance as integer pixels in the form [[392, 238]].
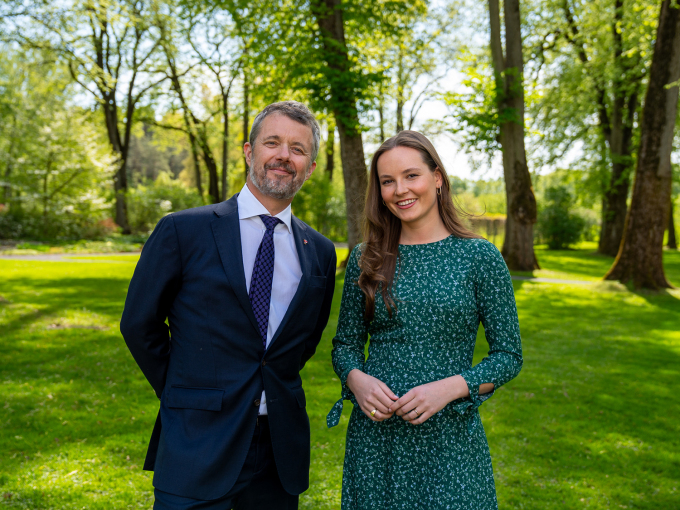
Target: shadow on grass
[[590, 421], [591, 416]]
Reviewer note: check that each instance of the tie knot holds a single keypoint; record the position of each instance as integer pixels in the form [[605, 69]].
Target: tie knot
[[270, 221]]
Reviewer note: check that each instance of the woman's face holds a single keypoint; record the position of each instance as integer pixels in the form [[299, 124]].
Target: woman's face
[[408, 186]]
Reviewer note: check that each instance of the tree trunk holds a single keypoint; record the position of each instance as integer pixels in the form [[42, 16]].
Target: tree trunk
[[381, 114], [640, 257], [7, 187], [210, 164], [400, 92], [619, 134], [672, 241], [190, 121], [225, 146], [120, 185], [246, 118], [518, 247], [329, 17], [330, 150]]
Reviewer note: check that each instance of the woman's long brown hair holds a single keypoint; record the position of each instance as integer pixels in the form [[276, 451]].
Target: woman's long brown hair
[[382, 229]]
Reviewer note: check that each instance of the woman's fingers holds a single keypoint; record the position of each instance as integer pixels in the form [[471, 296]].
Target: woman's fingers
[[374, 414], [420, 418], [388, 392], [402, 406]]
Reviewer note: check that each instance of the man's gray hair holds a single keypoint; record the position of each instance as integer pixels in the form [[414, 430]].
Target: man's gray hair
[[295, 111]]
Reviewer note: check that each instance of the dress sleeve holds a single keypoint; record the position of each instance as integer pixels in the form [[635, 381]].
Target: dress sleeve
[[498, 314], [351, 336]]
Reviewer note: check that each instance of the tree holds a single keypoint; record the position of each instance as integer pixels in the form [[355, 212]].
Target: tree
[[329, 17], [640, 257], [518, 248], [589, 65], [672, 243], [53, 163], [110, 49]]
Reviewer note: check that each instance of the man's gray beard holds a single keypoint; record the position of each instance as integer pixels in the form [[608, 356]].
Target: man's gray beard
[[276, 188]]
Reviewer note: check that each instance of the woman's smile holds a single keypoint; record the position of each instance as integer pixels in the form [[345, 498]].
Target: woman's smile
[[405, 204]]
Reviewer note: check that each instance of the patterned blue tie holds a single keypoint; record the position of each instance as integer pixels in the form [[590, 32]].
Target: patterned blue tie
[[263, 273]]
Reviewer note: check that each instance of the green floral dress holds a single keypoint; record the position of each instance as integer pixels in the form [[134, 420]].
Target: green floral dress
[[442, 290]]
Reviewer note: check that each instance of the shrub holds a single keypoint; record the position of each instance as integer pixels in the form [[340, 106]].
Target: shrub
[[66, 223], [147, 204], [321, 204], [557, 225]]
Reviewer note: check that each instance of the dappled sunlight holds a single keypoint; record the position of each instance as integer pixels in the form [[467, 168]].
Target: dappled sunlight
[[588, 420]]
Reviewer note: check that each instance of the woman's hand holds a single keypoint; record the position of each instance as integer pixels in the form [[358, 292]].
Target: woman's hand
[[426, 400], [371, 394]]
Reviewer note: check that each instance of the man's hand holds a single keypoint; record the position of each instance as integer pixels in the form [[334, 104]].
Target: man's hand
[[371, 394]]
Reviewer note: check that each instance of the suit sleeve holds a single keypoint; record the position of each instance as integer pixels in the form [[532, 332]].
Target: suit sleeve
[[154, 285], [310, 346]]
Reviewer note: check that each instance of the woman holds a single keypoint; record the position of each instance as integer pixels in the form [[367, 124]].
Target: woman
[[419, 286]]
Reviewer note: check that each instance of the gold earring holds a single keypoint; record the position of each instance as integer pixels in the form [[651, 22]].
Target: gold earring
[[439, 191], [384, 203]]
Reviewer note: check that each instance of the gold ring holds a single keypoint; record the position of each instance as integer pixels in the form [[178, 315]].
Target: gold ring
[[373, 412]]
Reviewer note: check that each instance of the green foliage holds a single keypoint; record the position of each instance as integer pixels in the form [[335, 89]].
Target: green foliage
[[321, 204], [53, 162], [77, 412], [475, 119], [557, 225], [149, 203]]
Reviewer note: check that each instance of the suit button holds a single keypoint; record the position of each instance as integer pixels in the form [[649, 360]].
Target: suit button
[[257, 402], [264, 363]]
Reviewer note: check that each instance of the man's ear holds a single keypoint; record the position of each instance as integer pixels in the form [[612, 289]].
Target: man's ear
[[311, 170], [248, 152]]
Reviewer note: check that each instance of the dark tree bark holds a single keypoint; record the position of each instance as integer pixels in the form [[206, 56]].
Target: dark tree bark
[[329, 17], [640, 257], [518, 247], [616, 119], [246, 117], [7, 187], [190, 121], [672, 241], [210, 163], [614, 202], [400, 92], [381, 115], [330, 150], [225, 143]]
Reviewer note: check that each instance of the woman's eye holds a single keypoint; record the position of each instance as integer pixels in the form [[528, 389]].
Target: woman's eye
[[385, 183]]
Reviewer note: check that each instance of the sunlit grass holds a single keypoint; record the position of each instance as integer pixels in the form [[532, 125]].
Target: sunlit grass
[[589, 423]]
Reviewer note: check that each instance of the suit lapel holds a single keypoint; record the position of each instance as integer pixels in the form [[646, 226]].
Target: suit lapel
[[227, 234], [304, 245]]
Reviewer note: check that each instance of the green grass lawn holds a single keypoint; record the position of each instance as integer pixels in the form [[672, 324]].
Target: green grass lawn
[[589, 423]]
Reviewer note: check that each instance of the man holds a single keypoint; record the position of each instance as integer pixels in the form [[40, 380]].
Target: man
[[246, 289]]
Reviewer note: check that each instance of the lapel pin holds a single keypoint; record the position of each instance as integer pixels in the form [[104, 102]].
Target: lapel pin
[[304, 241]]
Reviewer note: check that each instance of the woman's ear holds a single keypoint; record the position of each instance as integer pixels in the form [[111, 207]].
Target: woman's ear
[[438, 178]]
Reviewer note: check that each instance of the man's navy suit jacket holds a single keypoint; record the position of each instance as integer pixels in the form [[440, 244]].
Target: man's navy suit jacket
[[208, 365]]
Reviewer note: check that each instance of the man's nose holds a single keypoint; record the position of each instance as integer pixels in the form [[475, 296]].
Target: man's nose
[[284, 151]]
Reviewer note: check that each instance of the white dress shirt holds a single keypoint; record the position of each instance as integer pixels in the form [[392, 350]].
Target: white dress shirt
[[287, 271]]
